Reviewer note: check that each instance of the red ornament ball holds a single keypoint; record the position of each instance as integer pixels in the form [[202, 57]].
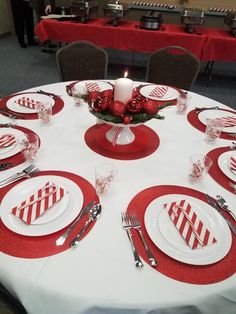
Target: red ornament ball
[[150, 107], [117, 108], [92, 96], [101, 104], [135, 105], [107, 93]]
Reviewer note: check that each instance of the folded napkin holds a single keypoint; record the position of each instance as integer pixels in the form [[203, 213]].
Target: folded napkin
[[232, 164], [159, 91], [26, 102], [190, 227], [38, 203], [92, 87], [227, 121], [7, 140]]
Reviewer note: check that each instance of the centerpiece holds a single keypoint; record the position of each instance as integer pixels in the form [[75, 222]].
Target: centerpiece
[[123, 107]]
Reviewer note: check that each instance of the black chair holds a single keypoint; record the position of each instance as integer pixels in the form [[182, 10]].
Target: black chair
[[173, 66], [9, 304], [81, 60]]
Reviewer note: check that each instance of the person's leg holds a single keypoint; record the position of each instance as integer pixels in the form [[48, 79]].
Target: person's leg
[[29, 23], [18, 13]]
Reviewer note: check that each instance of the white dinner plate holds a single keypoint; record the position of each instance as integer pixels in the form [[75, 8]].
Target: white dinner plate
[[171, 93], [13, 149], [223, 163], [102, 85], [213, 114], [12, 105], [166, 237], [50, 222]]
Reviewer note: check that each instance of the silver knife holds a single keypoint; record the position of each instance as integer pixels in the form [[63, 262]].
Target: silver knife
[[61, 240], [211, 201]]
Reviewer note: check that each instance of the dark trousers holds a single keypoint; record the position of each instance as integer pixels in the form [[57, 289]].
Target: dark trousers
[[23, 20]]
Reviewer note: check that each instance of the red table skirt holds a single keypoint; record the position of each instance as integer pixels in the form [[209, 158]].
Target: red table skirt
[[208, 44]]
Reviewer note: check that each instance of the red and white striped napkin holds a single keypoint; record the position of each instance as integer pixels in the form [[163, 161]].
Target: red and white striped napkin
[[38, 203], [92, 87], [159, 91], [185, 228], [26, 102], [232, 164], [7, 140], [227, 121]]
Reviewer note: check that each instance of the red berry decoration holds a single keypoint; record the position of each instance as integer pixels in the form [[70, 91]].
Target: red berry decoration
[[135, 105], [117, 108], [127, 119], [150, 107], [135, 92], [107, 93], [101, 104], [92, 96]]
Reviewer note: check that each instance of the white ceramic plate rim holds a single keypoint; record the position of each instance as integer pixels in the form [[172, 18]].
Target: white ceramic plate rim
[[171, 94], [21, 109], [212, 114], [15, 195], [103, 85], [223, 163], [14, 148], [172, 243]]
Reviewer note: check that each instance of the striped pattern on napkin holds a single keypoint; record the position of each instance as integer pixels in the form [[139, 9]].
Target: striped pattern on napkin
[[26, 102], [232, 164], [7, 140], [38, 203], [227, 121], [159, 91], [92, 87], [185, 228]]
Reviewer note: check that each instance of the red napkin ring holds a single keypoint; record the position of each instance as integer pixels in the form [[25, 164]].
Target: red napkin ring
[[7, 140], [159, 91], [38, 203], [181, 213], [26, 102]]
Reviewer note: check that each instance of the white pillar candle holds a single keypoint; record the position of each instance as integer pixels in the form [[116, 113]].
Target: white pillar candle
[[123, 89]]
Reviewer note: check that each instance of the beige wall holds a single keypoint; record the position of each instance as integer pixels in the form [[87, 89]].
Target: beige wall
[[5, 17]]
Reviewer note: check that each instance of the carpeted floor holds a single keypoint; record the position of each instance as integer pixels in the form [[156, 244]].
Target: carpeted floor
[[24, 68]]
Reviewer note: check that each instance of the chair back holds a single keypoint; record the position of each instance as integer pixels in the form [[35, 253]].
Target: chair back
[[173, 66], [81, 60]]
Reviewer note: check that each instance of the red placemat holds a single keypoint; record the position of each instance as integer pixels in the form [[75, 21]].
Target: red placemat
[[18, 158], [145, 143], [34, 247], [206, 274], [59, 104], [194, 120], [215, 171]]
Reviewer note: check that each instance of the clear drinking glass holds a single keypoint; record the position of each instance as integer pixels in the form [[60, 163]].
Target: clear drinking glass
[[104, 175], [29, 145], [44, 111], [213, 130], [78, 93], [199, 166], [183, 102]]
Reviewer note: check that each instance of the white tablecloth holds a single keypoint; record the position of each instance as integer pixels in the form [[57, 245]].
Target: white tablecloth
[[99, 276]]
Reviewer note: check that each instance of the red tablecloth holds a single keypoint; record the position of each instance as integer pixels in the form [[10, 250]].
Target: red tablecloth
[[127, 36]]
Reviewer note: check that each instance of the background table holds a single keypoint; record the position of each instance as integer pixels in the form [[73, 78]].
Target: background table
[[99, 276]]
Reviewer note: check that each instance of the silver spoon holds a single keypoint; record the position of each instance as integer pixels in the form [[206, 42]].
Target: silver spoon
[[94, 214], [223, 204]]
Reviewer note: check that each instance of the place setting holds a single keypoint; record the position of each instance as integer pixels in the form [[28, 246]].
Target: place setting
[[215, 121], [28, 105], [17, 145], [50, 210], [186, 237]]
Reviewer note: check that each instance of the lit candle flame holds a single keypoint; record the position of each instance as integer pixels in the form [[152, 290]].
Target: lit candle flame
[[126, 74]]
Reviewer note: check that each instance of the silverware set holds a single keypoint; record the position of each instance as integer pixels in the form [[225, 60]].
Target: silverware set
[[47, 93], [11, 115], [132, 222], [5, 166], [28, 172], [200, 109]]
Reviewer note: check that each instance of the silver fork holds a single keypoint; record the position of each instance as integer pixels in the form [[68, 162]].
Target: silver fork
[[135, 223], [127, 226], [30, 170]]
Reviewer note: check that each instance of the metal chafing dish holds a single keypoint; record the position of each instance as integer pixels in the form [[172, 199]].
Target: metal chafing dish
[[192, 17], [83, 9], [151, 20], [230, 20], [115, 11]]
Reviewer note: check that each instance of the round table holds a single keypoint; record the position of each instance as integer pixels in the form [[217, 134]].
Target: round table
[[99, 276]]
